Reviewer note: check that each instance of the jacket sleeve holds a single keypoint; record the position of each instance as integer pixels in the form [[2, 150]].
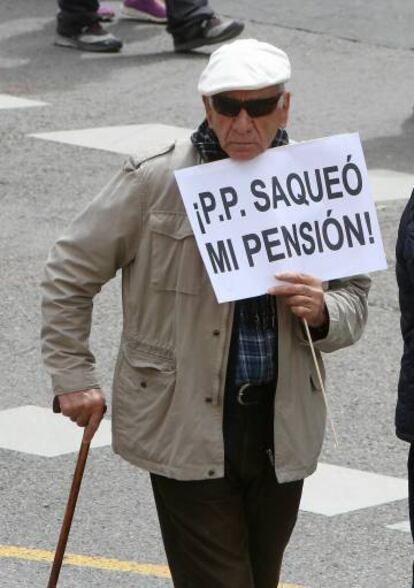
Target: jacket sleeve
[[102, 239], [347, 304]]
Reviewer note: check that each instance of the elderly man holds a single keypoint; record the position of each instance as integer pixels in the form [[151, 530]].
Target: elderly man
[[218, 401]]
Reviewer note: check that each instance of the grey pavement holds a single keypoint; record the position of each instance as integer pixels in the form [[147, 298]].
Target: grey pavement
[[353, 67]]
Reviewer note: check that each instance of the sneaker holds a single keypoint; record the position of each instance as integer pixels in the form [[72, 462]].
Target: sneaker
[[208, 32], [92, 38], [105, 13], [145, 10]]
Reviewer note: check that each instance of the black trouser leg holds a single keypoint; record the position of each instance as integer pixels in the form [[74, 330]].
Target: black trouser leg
[[183, 14], [270, 508], [271, 516], [204, 533], [74, 15]]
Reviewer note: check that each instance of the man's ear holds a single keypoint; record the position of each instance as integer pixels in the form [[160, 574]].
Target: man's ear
[[285, 108], [207, 107]]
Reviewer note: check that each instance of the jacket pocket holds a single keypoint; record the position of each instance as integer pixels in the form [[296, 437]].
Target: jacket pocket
[[144, 364], [143, 402], [176, 264]]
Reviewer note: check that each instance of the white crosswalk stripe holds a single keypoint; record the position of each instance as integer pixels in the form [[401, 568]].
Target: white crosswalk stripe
[[141, 139], [7, 102], [38, 431], [404, 526], [128, 139], [334, 490]]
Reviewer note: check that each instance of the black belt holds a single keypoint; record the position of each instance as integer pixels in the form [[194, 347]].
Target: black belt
[[250, 394]]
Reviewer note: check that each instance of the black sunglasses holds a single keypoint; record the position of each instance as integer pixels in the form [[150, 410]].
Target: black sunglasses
[[254, 108]]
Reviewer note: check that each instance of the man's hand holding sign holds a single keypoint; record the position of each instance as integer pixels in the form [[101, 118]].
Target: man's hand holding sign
[[304, 296]]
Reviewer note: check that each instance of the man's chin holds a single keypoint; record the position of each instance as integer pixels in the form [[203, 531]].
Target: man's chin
[[243, 153]]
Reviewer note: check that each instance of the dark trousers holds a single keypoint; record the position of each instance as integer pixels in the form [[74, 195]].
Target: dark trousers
[[230, 532], [74, 15], [183, 14], [411, 492]]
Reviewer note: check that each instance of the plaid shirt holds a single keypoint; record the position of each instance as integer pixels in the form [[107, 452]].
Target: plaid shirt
[[256, 323], [255, 318]]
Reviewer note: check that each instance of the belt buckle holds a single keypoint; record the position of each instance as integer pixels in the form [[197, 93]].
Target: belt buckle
[[240, 395]]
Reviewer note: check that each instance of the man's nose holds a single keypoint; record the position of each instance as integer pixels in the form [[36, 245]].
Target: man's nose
[[243, 122]]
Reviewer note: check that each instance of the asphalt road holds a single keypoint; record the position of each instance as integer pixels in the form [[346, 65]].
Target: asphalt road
[[353, 65]]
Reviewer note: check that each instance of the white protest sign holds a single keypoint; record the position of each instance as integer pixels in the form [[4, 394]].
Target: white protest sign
[[306, 207]]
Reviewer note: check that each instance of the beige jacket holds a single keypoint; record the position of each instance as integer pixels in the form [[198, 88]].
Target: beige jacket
[[170, 374]]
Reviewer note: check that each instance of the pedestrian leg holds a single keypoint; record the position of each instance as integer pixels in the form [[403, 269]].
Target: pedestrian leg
[[204, 533], [272, 510]]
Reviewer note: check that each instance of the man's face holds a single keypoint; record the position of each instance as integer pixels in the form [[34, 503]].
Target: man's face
[[243, 136]]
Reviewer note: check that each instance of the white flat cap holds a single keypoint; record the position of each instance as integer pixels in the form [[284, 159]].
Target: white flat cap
[[245, 64]]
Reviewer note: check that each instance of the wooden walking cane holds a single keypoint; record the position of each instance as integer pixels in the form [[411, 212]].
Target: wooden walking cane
[[70, 506]]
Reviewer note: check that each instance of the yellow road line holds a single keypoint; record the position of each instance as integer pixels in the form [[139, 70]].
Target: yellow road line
[[101, 563]]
